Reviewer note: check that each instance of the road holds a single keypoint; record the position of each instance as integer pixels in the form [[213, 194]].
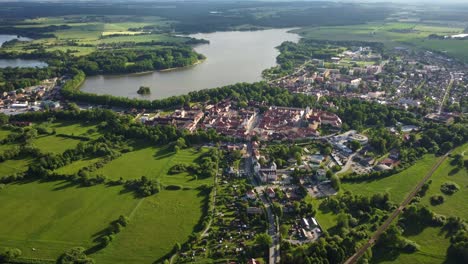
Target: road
[[348, 164], [447, 92], [273, 229], [354, 258], [213, 211]]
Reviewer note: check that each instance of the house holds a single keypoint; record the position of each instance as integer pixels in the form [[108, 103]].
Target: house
[[321, 175], [391, 163], [254, 210], [252, 261], [21, 123], [305, 223], [270, 192], [251, 194]]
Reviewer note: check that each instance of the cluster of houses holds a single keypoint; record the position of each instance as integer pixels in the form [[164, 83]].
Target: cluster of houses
[[292, 123], [228, 119], [361, 73], [32, 98], [182, 119]]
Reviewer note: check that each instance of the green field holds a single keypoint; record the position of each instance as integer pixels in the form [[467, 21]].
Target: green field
[[76, 129], [158, 223], [454, 205], [74, 167], [91, 32], [398, 185], [153, 162], [4, 133], [433, 248], [14, 166], [52, 217], [54, 144], [66, 215], [393, 35]]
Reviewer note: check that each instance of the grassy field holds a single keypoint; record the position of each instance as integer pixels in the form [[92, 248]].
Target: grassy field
[[157, 222], [156, 225], [89, 31], [52, 217], [454, 205], [14, 166], [433, 247], [76, 129], [4, 133], [393, 35], [398, 185], [74, 167], [54, 144], [153, 162]]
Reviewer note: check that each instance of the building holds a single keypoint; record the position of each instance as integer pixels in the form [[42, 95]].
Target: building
[[251, 194], [270, 192]]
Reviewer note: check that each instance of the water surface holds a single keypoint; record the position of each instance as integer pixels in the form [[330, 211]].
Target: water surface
[[18, 62], [232, 57]]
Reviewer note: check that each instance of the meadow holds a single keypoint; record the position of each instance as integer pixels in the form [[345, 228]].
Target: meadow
[[398, 185], [391, 34], [153, 162], [54, 216], [43, 219], [86, 33], [455, 204], [155, 226]]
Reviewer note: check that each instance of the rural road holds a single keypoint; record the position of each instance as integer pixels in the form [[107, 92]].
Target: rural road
[[354, 258]]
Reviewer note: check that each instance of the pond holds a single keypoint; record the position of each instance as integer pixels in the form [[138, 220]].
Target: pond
[[232, 57], [18, 62]]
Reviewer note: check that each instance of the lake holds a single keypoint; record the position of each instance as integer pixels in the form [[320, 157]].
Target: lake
[[5, 38], [18, 62], [232, 57]]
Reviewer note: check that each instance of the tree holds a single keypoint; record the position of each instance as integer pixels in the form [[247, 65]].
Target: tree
[[263, 240], [355, 145], [7, 254], [75, 255], [3, 119], [336, 182]]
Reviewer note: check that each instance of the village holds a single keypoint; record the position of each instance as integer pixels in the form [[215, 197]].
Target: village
[[401, 80]]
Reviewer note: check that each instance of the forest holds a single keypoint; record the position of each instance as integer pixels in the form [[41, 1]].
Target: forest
[[197, 16]]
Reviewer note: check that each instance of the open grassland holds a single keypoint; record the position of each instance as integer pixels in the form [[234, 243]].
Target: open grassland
[[54, 144], [155, 226], [54, 216], [153, 162], [393, 35], [398, 185], [4, 133], [86, 33], [10, 167], [455, 204], [75, 129], [74, 167], [57, 144], [433, 248]]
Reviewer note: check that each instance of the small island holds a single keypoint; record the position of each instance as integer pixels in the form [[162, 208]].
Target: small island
[[144, 90]]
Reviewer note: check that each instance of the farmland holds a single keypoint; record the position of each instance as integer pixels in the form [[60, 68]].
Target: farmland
[[76, 215], [393, 34], [454, 205], [64, 216], [153, 162], [398, 185], [156, 225], [84, 34]]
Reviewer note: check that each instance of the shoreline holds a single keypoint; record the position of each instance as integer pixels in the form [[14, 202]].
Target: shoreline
[[148, 72]]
